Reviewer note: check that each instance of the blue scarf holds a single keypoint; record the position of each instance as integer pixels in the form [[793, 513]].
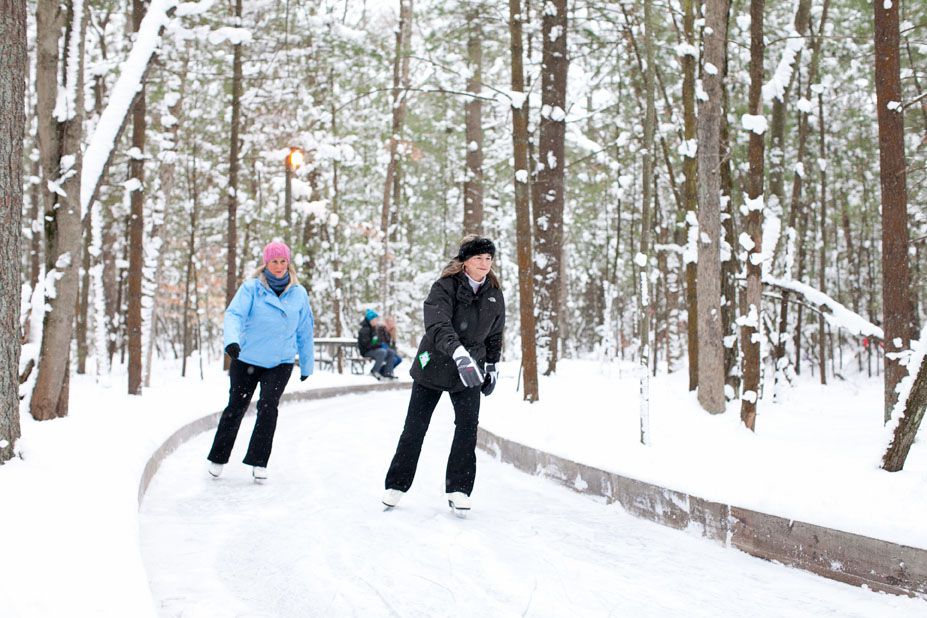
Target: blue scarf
[[277, 284]]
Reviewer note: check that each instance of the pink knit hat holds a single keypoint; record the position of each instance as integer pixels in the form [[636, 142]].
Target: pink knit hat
[[276, 250]]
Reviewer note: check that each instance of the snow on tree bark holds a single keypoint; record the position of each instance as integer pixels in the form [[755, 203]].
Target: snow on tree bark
[[690, 187], [136, 226], [751, 329], [550, 165], [899, 319], [522, 209], [710, 329], [60, 114], [909, 409]]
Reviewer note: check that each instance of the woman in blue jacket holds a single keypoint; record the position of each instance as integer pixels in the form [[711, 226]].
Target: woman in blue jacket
[[266, 324]]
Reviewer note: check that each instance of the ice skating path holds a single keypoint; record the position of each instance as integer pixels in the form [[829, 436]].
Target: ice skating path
[[315, 541]]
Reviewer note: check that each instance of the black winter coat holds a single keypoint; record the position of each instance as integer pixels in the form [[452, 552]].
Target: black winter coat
[[367, 338], [455, 316]]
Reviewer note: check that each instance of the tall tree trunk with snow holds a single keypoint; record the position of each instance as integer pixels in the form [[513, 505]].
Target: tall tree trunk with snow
[[897, 305], [523, 207], [690, 188], [136, 226], [548, 215], [710, 329], [473, 181], [752, 324], [60, 116], [643, 256], [12, 117], [399, 103], [231, 259]]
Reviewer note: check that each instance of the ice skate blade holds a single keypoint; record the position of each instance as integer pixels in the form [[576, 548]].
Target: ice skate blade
[[460, 513]]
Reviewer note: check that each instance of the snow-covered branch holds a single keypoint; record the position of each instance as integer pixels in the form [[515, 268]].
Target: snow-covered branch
[[100, 148], [835, 313]]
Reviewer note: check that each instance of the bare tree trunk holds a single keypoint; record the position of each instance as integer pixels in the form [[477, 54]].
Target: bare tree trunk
[[231, 257], [399, 97], [191, 252], [910, 421], [710, 329], [473, 182], [548, 215], [12, 117], [751, 324], [643, 257], [334, 231], [897, 305], [523, 207], [690, 190], [822, 246], [83, 299], [59, 145]]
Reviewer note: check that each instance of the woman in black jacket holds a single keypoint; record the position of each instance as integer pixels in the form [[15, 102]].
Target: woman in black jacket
[[464, 319]]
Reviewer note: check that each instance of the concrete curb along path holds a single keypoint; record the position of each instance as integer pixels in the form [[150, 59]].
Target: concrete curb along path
[[843, 556]]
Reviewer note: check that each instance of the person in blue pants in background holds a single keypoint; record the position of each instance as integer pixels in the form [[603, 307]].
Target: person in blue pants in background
[[268, 321]]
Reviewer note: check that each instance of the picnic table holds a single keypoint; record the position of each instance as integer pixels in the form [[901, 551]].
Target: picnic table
[[332, 353]]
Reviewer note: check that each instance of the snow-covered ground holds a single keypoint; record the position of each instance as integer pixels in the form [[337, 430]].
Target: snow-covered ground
[[72, 545], [314, 540], [814, 457]]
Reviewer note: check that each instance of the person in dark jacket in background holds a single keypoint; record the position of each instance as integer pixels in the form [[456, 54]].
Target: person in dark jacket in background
[[268, 321], [464, 320], [370, 344]]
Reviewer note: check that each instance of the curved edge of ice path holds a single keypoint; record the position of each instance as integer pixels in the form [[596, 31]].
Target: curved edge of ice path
[[834, 554]]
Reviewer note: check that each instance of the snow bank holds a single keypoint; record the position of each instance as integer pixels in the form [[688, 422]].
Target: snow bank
[[812, 458], [71, 500]]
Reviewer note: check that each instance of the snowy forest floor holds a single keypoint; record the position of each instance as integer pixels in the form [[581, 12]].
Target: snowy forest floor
[[314, 537]]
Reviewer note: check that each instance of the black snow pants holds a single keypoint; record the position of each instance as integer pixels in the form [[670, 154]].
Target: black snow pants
[[244, 378], [461, 464]]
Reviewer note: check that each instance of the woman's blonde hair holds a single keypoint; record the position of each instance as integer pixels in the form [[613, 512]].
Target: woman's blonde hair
[[259, 273], [457, 266]]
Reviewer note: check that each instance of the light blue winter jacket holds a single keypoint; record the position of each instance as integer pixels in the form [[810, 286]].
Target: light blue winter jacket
[[271, 329]]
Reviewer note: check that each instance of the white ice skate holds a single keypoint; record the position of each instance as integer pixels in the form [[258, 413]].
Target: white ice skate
[[215, 469], [459, 503], [259, 474], [391, 498]]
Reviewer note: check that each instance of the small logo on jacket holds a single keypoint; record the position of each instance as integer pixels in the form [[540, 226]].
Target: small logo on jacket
[[492, 299], [423, 359]]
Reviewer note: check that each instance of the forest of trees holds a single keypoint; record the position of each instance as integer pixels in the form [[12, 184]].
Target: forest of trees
[[731, 188]]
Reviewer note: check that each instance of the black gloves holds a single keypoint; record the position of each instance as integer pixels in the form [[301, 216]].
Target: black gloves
[[233, 349], [489, 384], [303, 378], [470, 373]]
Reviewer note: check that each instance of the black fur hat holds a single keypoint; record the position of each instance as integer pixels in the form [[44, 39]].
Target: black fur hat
[[477, 246]]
